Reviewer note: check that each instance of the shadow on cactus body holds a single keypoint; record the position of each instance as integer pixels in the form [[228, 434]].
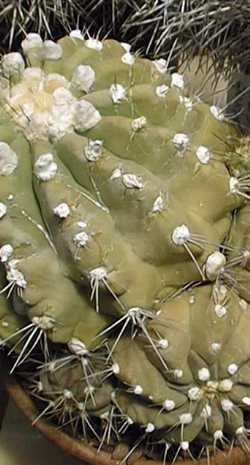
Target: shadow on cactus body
[[124, 248]]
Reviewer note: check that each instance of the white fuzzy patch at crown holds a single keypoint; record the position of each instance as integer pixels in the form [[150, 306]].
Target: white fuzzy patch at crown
[[161, 91], [85, 116], [8, 160], [131, 181], [93, 151], [94, 44], [117, 173], [225, 385], [62, 210], [45, 167], [5, 253], [177, 80], [3, 210], [83, 78], [138, 390], [12, 64], [15, 276], [203, 154], [161, 65], [149, 428], [118, 93]]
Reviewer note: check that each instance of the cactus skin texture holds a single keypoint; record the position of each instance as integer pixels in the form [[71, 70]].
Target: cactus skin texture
[[124, 248]]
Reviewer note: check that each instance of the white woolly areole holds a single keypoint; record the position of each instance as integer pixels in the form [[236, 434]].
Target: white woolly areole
[[242, 302], [51, 50], [203, 154], [93, 151], [194, 393], [225, 385], [117, 173], [180, 141], [77, 347], [216, 347], [233, 185], [127, 47], [227, 405], [32, 41], [118, 93], [214, 265], [246, 401], [94, 44], [3, 210], [139, 123], [128, 59], [15, 276], [67, 394], [232, 368], [204, 374], [62, 210], [178, 373], [184, 445], [83, 78], [168, 405], [8, 160], [177, 80], [131, 181], [5, 253], [217, 113], [220, 310], [181, 235], [86, 116], [76, 34], [158, 204], [218, 435], [161, 91], [138, 390], [12, 64], [45, 167], [187, 102], [240, 430], [115, 368], [81, 239], [98, 273], [161, 65], [206, 411], [163, 344], [186, 418], [44, 322], [149, 428]]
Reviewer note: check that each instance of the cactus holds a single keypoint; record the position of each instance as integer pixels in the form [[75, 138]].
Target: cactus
[[124, 205]]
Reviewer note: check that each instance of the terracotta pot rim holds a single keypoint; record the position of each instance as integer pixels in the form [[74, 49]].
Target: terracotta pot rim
[[87, 452]]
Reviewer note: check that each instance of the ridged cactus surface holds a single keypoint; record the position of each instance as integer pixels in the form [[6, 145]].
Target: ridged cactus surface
[[124, 231]]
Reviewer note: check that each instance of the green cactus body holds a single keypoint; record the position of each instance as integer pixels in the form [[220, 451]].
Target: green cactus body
[[123, 246]]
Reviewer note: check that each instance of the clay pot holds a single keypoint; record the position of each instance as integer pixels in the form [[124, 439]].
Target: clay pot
[[88, 453]]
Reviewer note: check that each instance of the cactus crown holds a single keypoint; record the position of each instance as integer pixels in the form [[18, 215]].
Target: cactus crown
[[124, 248]]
